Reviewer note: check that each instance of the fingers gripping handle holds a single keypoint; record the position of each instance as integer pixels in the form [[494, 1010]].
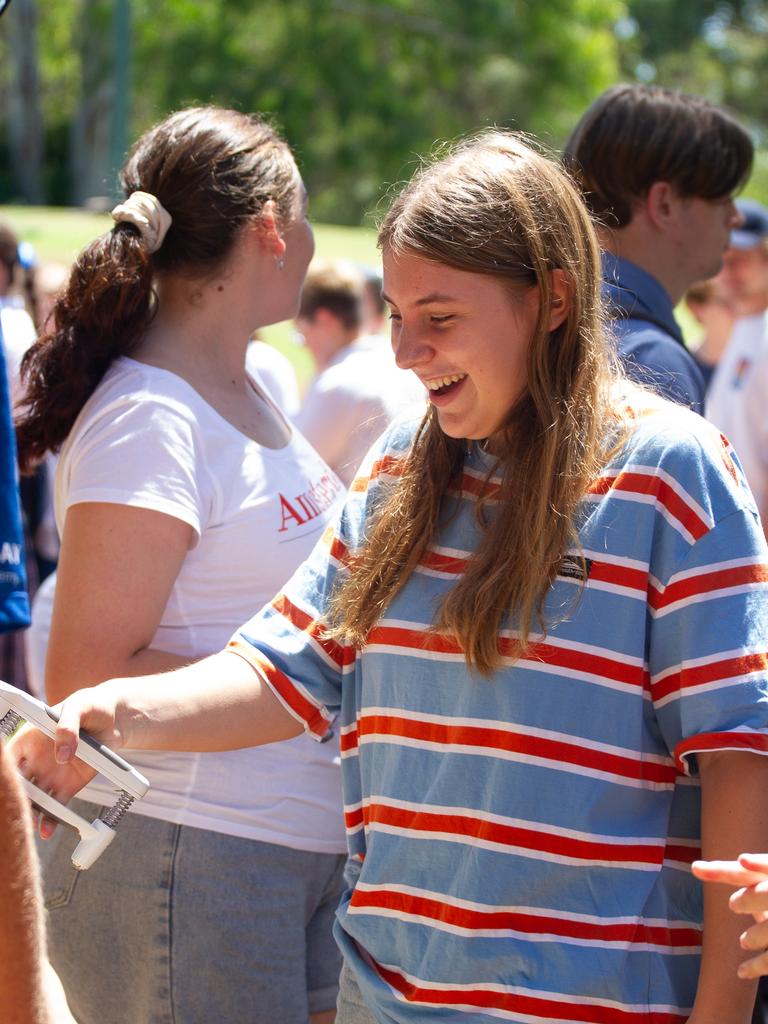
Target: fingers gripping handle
[[89, 750], [17, 706]]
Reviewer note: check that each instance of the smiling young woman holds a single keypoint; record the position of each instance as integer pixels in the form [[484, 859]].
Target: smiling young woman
[[540, 619]]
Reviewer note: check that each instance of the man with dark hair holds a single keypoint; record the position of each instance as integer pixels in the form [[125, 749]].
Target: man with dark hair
[[658, 169]]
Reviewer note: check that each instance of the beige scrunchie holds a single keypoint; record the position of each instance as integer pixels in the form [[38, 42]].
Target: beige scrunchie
[[148, 214]]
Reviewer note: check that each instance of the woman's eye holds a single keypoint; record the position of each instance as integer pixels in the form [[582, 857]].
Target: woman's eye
[[438, 320], [394, 316]]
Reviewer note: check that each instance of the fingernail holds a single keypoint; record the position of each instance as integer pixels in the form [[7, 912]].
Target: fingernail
[[63, 754]]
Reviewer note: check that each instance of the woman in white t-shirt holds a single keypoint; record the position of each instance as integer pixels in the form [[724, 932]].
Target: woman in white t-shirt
[[183, 497]]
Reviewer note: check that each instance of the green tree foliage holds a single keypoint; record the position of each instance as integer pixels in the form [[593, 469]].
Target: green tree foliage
[[709, 47], [360, 87]]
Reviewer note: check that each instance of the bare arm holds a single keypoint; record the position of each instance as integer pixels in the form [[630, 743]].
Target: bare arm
[[734, 817], [117, 567], [22, 945], [219, 703]]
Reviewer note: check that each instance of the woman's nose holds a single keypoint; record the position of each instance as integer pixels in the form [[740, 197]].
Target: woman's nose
[[410, 348]]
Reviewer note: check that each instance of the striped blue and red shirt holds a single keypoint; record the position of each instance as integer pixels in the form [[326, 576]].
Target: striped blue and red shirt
[[522, 843]]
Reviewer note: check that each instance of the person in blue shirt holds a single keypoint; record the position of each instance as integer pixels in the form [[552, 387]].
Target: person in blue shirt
[[14, 601], [658, 170]]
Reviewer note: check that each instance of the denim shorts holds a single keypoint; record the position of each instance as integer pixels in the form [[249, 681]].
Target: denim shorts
[[179, 925], [350, 1008]]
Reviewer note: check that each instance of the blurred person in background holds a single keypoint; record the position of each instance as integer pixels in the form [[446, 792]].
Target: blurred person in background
[[18, 304], [375, 319], [276, 373], [738, 395], [708, 304], [658, 169], [358, 389]]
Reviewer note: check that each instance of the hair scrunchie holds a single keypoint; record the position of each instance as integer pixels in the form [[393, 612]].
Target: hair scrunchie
[[148, 214]]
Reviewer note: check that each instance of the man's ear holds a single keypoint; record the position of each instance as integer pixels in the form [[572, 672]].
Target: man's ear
[[661, 202], [561, 291]]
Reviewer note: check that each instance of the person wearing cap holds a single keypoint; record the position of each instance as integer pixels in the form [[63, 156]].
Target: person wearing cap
[[658, 170], [736, 398]]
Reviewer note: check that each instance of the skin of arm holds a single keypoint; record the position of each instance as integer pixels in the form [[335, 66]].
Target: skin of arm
[[117, 567], [22, 947], [750, 873], [218, 703], [734, 815]]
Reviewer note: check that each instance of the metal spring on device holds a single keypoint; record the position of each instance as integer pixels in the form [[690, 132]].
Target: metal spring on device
[[9, 723], [112, 816]]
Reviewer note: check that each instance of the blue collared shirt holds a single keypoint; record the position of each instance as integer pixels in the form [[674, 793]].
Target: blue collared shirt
[[648, 337]]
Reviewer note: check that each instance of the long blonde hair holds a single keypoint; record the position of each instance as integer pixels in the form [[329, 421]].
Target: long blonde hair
[[496, 206]]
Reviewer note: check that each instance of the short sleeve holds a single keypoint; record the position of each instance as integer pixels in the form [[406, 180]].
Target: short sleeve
[[708, 655], [285, 642], [139, 452]]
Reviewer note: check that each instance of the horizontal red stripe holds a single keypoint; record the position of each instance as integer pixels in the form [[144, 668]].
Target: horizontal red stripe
[[535, 1006], [354, 818], [539, 840], [473, 919], [348, 740], [308, 712], [443, 563], [602, 572], [708, 582], [337, 549], [477, 486], [559, 751], [699, 675], [548, 654], [757, 742], [313, 627], [388, 465], [641, 483], [619, 575], [682, 854]]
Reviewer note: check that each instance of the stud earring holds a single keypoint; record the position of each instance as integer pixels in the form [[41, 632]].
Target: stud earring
[[279, 262]]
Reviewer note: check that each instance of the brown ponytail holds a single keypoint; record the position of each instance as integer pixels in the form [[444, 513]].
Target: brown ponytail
[[105, 308], [212, 170]]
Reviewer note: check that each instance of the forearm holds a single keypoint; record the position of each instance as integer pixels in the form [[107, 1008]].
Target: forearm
[[734, 818], [21, 928], [219, 703]]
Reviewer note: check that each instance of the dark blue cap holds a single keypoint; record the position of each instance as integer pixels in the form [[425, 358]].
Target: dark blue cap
[[755, 227]]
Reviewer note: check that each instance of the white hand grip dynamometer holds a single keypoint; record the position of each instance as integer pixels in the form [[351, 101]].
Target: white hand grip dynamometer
[[16, 706]]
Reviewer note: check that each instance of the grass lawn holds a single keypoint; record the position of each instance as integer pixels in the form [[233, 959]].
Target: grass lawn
[[59, 233]]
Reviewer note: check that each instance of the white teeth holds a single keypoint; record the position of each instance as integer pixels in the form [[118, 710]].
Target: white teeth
[[440, 382]]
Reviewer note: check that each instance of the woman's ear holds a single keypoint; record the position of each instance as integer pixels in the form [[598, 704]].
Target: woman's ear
[[267, 227], [561, 290]]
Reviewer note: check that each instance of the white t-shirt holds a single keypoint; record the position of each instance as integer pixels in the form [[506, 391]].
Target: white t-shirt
[[276, 373], [737, 401], [18, 334], [354, 399], [147, 439]]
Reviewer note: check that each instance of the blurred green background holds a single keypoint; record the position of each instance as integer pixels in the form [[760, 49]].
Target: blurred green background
[[360, 88]]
